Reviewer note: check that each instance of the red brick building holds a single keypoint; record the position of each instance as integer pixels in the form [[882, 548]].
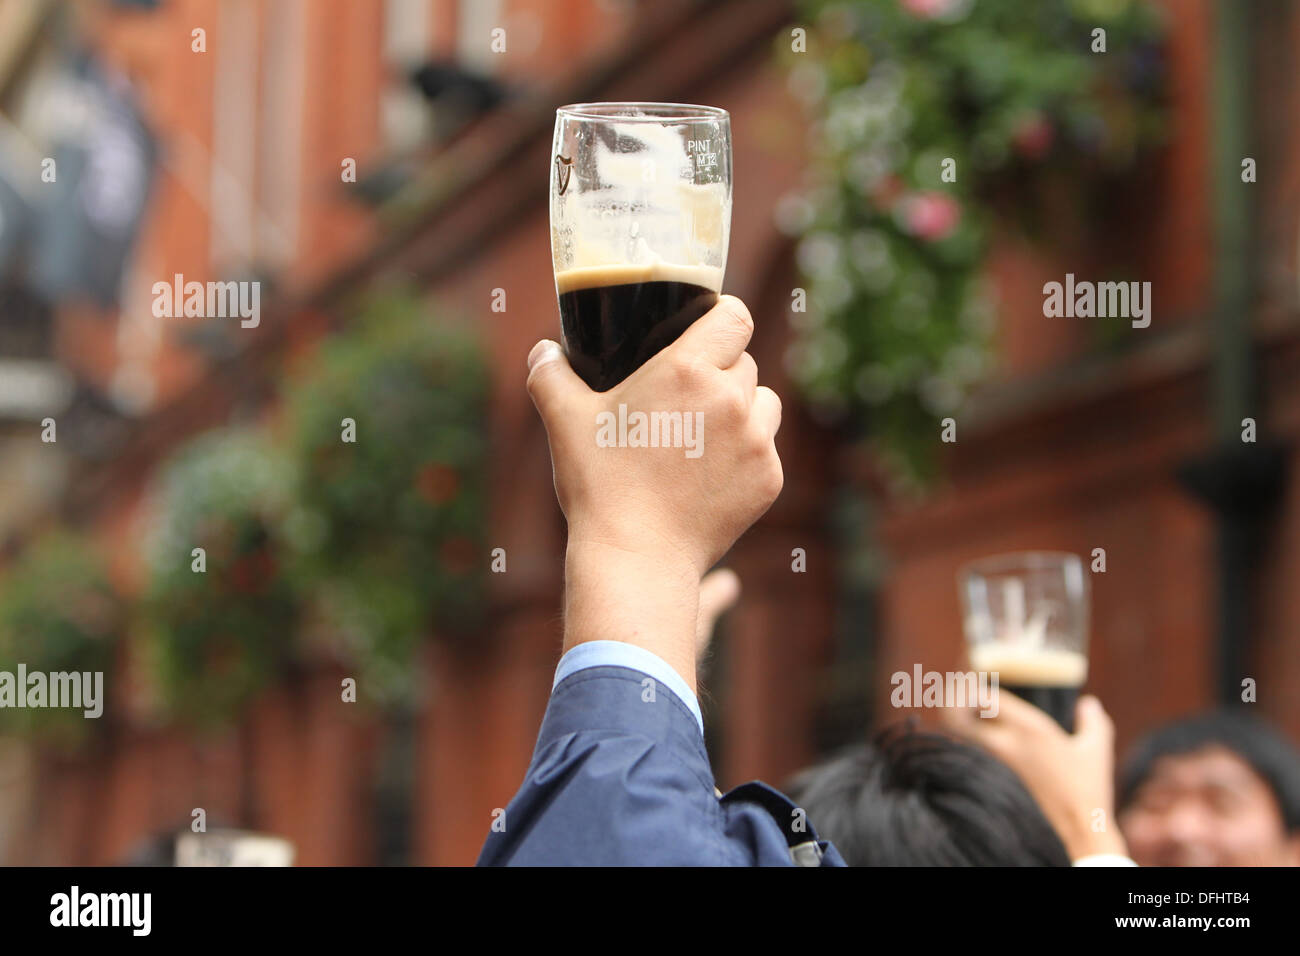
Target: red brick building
[[1065, 450]]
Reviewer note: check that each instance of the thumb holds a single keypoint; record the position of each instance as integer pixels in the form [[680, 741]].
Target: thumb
[[551, 380], [718, 591]]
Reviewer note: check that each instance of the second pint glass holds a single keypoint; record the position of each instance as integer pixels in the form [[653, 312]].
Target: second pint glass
[[1026, 617]]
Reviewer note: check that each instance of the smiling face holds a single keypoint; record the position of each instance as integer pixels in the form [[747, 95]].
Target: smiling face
[[1207, 808]]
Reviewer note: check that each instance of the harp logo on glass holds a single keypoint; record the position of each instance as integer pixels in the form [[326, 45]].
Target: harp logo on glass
[[563, 168]]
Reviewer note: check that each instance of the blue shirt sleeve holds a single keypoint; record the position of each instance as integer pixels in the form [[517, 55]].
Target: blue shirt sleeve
[[623, 654], [620, 777]]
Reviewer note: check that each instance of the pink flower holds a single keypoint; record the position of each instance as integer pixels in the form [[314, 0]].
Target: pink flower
[[930, 216], [1033, 136], [927, 9]]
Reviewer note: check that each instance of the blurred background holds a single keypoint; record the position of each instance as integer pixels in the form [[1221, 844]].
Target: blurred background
[[181, 506]]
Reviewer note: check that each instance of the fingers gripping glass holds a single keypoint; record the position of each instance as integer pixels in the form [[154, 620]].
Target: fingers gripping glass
[[640, 221]]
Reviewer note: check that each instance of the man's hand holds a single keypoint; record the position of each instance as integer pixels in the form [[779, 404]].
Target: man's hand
[[660, 502], [645, 524], [1070, 775]]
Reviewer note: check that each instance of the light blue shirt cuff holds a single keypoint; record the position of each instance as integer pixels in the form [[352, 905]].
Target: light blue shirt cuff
[[622, 654], [1103, 859]]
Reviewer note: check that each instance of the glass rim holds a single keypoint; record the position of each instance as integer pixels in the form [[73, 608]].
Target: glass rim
[[645, 112], [1016, 561]]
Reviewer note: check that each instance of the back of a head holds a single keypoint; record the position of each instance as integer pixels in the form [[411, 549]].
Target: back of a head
[[912, 798]]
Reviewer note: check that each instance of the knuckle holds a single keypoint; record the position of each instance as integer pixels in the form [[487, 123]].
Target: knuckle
[[737, 315], [734, 406], [687, 371]]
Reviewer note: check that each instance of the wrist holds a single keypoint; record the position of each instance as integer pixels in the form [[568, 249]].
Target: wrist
[[1104, 844], [649, 598], [1085, 841], [633, 537]]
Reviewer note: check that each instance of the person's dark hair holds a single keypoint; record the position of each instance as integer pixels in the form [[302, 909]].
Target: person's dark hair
[[913, 798], [1267, 752]]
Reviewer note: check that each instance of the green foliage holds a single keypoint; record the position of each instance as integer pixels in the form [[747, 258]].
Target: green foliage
[[369, 545], [897, 324], [389, 526], [363, 547], [216, 637], [57, 614]]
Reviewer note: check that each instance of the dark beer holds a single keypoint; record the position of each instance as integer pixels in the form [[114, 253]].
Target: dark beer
[[1058, 701], [1049, 678], [615, 318]]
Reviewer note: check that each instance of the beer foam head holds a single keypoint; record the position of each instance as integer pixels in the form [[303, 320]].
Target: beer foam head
[[597, 277], [1034, 666]]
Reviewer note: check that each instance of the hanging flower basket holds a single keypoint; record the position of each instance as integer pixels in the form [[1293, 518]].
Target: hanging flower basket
[[58, 616], [221, 624], [388, 426], [932, 119]]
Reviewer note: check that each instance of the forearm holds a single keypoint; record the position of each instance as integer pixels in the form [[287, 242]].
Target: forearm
[[652, 601]]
